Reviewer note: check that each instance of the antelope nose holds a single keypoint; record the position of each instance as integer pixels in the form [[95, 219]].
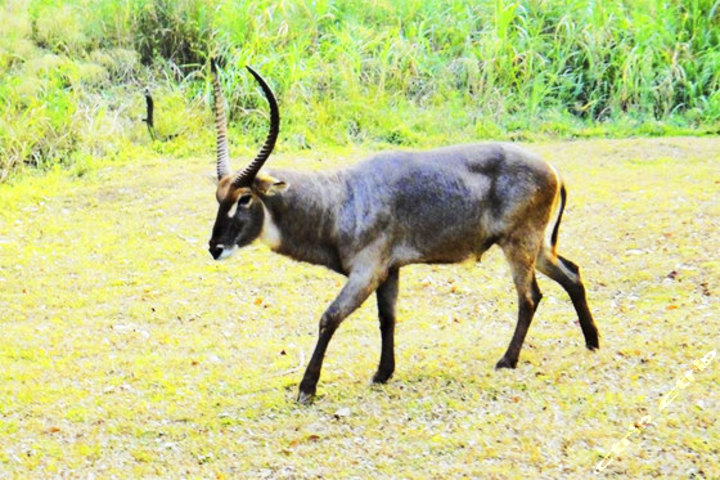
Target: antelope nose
[[216, 251]]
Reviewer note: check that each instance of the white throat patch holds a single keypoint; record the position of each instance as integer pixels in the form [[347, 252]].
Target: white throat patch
[[270, 234]]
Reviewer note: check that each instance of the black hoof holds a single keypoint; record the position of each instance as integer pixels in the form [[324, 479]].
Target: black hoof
[[381, 377], [505, 363], [305, 398]]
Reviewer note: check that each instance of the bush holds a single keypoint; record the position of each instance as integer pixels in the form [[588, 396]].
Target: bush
[[401, 73]]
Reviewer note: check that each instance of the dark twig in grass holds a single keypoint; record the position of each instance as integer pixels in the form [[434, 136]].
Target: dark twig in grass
[[149, 117], [150, 104]]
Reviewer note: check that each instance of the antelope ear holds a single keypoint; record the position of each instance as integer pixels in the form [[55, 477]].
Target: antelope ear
[[268, 186]]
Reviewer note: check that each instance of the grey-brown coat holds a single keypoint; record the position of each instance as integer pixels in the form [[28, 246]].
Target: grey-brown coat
[[394, 209]]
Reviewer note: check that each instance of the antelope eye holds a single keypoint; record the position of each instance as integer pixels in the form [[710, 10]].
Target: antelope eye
[[245, 200]]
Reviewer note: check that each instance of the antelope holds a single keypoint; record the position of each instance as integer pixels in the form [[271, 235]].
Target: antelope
[[394, 209]]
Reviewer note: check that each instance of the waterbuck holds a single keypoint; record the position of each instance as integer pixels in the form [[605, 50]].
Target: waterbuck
[[395, 209]]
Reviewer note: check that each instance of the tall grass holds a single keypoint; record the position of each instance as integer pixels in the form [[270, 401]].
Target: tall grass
[[405, 72]]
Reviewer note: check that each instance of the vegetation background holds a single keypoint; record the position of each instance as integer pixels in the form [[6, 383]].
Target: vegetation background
[[406, 72], [126, 352]]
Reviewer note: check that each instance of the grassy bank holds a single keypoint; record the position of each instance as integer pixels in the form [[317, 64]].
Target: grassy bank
[[414, 72]]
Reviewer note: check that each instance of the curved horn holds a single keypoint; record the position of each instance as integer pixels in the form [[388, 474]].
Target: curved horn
[[223, 155], [247, 175]]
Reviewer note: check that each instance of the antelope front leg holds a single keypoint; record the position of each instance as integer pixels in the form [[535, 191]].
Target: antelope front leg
[[386, 297], [358, 287]]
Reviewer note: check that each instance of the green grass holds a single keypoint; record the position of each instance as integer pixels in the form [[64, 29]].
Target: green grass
[[128, 352], [413, 72]]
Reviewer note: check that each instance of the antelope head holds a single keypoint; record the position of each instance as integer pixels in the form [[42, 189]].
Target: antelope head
[[241, 216]]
